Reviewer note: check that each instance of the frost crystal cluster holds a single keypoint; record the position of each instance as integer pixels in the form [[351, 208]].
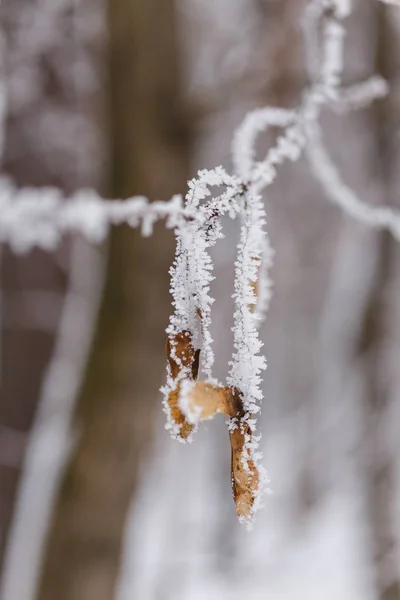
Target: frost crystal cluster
[[30, 217]]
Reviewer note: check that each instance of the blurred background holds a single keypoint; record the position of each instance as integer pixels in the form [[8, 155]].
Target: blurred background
[[96, 501]]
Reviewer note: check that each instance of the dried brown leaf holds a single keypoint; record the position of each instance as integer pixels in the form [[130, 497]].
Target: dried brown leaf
[[181, 347], [245, 476], [206, 400], [203, 401], [185, 428]]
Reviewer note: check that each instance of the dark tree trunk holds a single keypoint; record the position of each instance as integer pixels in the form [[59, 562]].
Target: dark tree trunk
[[116, 407]]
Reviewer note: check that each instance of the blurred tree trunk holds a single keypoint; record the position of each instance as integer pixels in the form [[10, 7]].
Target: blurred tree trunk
[[115, 410], [374, 345]]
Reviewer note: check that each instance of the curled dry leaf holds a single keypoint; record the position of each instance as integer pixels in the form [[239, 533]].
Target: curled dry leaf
[[245, 475], [184, 360], [181, 354], [203, 401]]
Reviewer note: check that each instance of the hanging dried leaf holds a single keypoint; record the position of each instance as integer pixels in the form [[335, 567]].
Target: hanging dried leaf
[[245, 475], [182, 355], [183, 360], [204, 400]]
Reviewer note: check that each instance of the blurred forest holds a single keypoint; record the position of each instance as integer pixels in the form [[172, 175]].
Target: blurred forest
[[96, 501]]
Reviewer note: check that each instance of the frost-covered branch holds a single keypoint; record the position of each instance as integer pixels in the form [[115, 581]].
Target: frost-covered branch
[[41, 216], [338, 192], [361, 94]]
